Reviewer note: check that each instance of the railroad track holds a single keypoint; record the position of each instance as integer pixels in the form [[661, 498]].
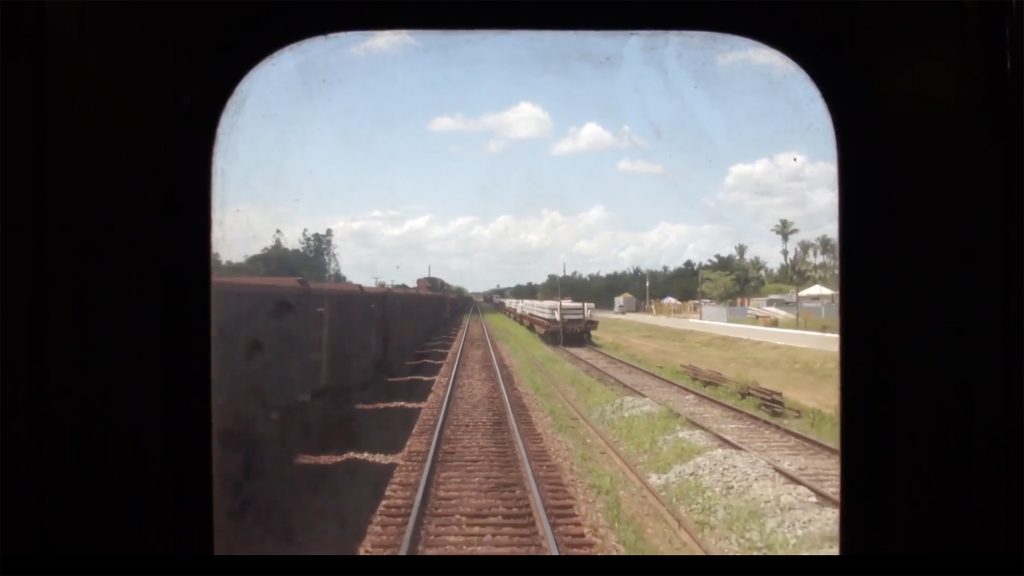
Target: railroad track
[[687, 533], [475, 477], [804, 460]]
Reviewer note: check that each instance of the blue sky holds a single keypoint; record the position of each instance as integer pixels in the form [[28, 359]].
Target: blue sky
[[494, 157]]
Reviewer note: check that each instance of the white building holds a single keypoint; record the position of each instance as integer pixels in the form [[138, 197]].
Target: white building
[[625, 302]]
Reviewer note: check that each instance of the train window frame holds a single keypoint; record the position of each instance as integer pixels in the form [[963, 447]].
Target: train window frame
[[423, 286]]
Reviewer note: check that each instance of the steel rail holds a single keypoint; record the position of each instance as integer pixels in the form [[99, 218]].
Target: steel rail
[[814, 487], [686, 531], [798, 435], [534, 491], [417, 507]]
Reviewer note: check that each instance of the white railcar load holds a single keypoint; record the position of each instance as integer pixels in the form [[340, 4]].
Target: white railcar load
[[564, 321]]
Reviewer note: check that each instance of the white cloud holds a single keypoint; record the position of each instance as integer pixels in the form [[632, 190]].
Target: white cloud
[[757, 56], [524, 121], [787, 185], [495, 146], [639, 166], [627, 140], [509, 249], [389, 41], [589, 138], [481, 252], [592, 138], [453, 123]]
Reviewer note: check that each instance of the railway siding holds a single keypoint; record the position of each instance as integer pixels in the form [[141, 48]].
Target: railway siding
[[738, 503], [802, 459]]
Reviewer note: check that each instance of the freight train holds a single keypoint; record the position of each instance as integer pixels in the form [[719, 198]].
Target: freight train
[[287, 354], [432, 284], [557, 322]]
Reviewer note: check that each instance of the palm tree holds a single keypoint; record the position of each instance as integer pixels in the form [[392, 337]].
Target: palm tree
[[800, 255], [758, 266], [749, 276], [805, 248], [741, 251], [827, 248], [785, 229]]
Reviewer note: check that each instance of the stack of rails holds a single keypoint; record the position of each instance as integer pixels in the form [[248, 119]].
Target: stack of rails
[[566, 321]]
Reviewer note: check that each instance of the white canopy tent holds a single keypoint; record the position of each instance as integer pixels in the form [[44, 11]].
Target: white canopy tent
[[816, 291], [670, 300]]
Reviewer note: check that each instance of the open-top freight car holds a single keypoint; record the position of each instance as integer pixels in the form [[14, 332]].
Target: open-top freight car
[[557, 322], [288, 359], [433, 284]]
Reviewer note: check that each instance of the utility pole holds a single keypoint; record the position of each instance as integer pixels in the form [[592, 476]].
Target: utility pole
[[700, 295], [648, 285], [797, 306], [561, 332]]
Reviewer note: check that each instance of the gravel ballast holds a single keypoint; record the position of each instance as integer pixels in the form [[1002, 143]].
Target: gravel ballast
[[751, 506], [696, 437], [630, 406]]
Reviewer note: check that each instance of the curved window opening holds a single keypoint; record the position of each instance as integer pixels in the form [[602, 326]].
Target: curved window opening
[[645, 223]]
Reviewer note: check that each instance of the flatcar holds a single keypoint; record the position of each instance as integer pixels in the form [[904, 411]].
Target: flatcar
[[555, 321]]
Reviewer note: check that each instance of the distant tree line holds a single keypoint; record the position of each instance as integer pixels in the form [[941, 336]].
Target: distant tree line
[[722, 278], [315, 259]]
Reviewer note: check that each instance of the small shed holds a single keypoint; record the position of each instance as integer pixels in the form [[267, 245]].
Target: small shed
[[625, 302]]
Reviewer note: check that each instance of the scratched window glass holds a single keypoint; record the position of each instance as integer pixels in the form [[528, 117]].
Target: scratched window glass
[[525, 293]]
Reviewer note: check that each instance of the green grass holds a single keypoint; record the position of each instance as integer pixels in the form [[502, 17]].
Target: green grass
[[607, 485], [808, 379], [815, 423], [643, 436], [793, 370], [733, 524]]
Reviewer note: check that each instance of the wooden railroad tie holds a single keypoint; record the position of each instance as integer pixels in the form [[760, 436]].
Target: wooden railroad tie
[[771, 401], [706, 377]]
